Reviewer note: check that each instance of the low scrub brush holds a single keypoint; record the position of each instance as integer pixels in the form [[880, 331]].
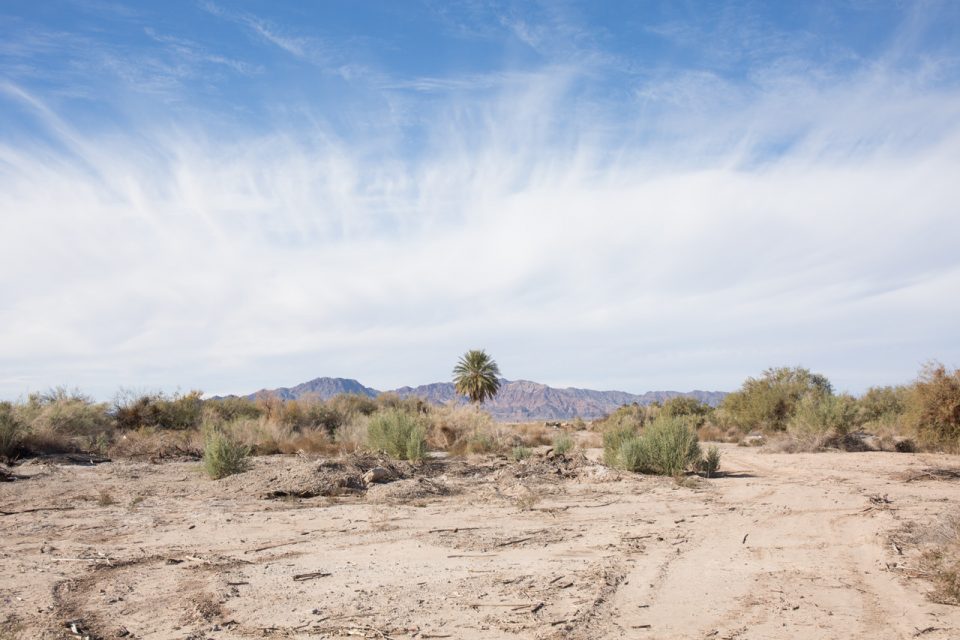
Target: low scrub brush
[[11, 431], [563, 443], [399, 433], [223, 456], [667, 446]]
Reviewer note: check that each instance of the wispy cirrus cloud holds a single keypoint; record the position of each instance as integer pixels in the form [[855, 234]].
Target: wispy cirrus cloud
[[310, 49], [228, 254], [681, 227]]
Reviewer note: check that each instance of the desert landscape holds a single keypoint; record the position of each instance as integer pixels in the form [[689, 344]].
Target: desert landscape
[[813, 545], [479, 320]]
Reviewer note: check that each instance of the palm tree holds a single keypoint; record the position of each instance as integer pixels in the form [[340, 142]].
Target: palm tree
[[476, 376]]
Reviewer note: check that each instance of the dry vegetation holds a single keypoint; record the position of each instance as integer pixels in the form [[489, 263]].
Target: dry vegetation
[[405, 456]]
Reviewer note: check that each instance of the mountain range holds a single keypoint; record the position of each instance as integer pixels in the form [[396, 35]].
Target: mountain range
[[517, 400]]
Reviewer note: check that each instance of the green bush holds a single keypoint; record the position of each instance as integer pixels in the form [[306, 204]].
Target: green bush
[[667, 446], [11, 431], [769, 402], [223, 455], [417, 444], [613, 439], [563, 443], [681, 406], [823, 418], [633, 454], [880, 404], [520, 452], [631, 416], [399, 433]]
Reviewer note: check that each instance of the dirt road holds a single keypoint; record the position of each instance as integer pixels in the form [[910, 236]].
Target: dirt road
[[781, 546]]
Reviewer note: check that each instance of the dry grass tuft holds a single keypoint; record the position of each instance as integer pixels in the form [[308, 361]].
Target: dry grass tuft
[[155, 444], [938, 556], [532, 434]]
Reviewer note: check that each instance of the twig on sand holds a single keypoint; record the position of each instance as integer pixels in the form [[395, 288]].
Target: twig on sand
[[354, 631], [301, 577], [274, 546], [453, 530], [516, 541], [13, 513]]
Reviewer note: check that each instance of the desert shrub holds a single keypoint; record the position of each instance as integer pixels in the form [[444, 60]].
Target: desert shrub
[[481, 443], [312, 441], [531, 434], [223, 455], [613, 439], [153, 443], [935, 407], [416, 445], [410, 404], [768, 403], [667, 446], [353, 404], [231, 408], [819, 420], [399, 433], [452, 426], [520, 452], [11, 431], [259, 436], [563, 443], [67, 414], [712, 431], [710, 464], [692, 408], [315, 414], [673, 445], [878, 404], [631, 416], [353, 434], [632, 454], [179, 411], [61, 421]]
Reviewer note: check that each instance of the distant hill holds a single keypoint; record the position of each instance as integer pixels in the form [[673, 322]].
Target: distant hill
[[518, 400], [323, 388]]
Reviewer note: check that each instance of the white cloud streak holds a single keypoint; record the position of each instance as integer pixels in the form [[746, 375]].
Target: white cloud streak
[[678, 252]]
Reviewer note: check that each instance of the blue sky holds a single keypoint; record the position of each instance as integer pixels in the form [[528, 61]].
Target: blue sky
[[635, 196]]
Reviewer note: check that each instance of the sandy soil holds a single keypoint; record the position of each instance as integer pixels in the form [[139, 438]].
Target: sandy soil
[[782, 546]]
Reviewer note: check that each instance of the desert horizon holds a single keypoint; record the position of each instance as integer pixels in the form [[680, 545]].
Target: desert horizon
[[644, 316]]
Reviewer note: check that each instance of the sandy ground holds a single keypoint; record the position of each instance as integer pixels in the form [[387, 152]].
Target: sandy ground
[[782, 546]]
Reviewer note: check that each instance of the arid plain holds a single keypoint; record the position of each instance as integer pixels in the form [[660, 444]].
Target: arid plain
[[808, 545]]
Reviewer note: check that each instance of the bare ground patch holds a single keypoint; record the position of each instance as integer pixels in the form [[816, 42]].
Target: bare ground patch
[[782, 546]]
